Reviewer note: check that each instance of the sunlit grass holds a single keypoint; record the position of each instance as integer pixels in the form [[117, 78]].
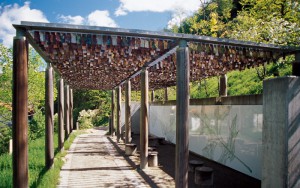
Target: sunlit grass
[[39, 176]]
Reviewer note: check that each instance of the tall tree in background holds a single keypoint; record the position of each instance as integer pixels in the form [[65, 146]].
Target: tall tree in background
[[36, 95], [267, 21]]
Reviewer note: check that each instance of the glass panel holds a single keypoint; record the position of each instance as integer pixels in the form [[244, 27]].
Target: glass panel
[[231, 135]]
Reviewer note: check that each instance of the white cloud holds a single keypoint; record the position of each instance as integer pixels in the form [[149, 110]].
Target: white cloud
[[95, 18], [177, 18], [14, 14], [156, 6], [180, 9], [77, 20], [100, 18]]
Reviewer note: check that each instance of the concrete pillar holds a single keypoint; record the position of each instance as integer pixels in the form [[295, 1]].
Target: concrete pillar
[[223, 85], [296, 65], [71, 111], [67, 111], [49, 114], [144, 120], [127, 112], [119, 96], [281, 133], [20, 111], [61, 135], [112, 112], [182, 126]]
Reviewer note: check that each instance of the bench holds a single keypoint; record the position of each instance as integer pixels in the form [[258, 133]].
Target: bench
[[204, 177], [130, 149], [194, 164], [152, 159]]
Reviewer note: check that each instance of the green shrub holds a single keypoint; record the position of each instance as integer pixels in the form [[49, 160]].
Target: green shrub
[[56, 122], [85, 119], [5, 136], [37, 125]]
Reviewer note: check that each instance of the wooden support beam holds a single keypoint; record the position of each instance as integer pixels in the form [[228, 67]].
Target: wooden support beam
[[182, 105], [144, 120], [71, 111], [166, 94], [152, 96], [223, 86], [296, 65], [112, 112], [20, 111], [119, 95], [49, 114], [67, 111], [61, 135], [127, 112]]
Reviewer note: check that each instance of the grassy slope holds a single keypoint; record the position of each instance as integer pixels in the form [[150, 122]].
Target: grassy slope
[[239, 83], [38, 175]]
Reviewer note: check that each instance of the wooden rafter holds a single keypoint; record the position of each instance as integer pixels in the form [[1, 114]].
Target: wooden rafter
[[103, 58]]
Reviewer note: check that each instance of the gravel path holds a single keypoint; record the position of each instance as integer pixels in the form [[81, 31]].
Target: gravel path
[[93, 161]]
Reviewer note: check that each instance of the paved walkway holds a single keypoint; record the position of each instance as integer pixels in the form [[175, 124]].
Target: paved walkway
[[95, 160]]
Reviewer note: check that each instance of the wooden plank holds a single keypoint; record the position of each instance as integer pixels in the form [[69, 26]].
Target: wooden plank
[[20, 112], [49, 114], [61, 135], [119, 96], [67, 111], [144, 120], [127, 112], [182, 105]]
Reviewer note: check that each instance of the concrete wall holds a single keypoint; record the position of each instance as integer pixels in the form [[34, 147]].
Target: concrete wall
[[281, 133]]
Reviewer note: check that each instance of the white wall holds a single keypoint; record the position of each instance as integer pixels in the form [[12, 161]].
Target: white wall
[[231, 135]]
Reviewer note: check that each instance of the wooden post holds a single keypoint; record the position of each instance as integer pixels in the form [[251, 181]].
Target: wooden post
[[152, 96], [112, 112], [20, 111], [127, 112], [71, 110], [67, 111], [61, 135], [296, 65], [144, 120], [118, 113], [49, 113], [166, 94], [182, 105], [223, 85]]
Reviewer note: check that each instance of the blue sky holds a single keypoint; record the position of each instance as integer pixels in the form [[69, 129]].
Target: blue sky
[[136, 14]]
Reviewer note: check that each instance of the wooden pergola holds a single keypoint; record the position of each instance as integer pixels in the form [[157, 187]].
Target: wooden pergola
[[101, 58]]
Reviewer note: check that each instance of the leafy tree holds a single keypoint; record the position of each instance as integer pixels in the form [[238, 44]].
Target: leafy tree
[[267, 21], [36, 94], [93, 99]]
